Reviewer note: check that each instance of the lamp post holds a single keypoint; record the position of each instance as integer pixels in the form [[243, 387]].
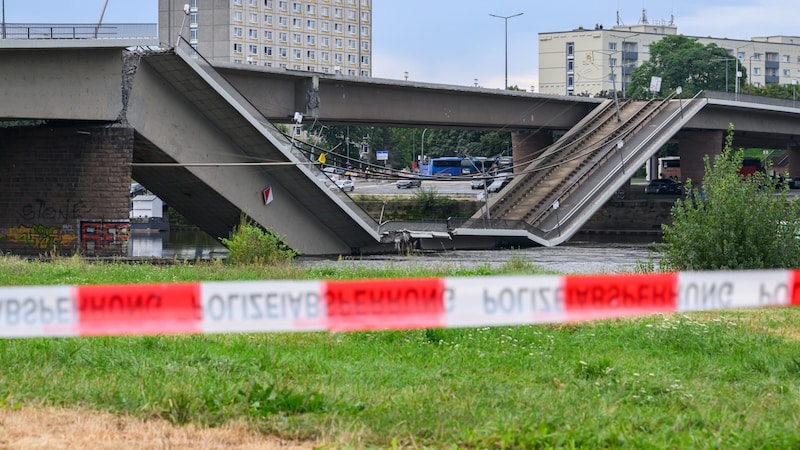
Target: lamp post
[[4, 19], [794, 96], [505, 19]]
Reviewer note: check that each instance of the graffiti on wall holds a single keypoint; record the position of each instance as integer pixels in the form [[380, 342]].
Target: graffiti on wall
[[95, 237], [40, 237], [40, 211], [104, 237]]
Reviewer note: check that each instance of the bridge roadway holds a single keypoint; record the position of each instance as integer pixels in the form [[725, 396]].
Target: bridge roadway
[[203, 132]]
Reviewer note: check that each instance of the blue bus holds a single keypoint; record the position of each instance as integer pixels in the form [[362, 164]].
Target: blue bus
[[448, 166]]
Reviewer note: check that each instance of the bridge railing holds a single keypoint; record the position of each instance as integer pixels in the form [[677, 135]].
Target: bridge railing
[[79, 31], [749, 98]]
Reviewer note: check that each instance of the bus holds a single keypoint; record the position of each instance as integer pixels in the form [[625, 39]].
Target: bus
[[448, 166], [669, 167]]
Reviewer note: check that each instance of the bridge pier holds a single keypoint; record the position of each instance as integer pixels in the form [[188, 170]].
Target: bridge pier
[[793, 151], [693, 146], [528, 145], [65, 188]]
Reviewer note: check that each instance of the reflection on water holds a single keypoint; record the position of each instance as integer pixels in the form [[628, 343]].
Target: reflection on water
[[175, 244]]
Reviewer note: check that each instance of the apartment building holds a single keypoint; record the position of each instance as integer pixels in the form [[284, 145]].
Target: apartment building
[[589, 61], [328, 36]]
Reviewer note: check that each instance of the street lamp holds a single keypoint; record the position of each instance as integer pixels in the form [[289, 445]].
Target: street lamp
[[505, 18]]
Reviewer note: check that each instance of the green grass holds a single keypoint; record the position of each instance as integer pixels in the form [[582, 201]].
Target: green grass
[[719, 380]]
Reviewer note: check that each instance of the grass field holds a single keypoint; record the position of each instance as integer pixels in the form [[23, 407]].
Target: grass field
[[706, 380]]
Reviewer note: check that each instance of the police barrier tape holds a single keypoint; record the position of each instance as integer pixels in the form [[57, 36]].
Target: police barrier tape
[[280, 306]]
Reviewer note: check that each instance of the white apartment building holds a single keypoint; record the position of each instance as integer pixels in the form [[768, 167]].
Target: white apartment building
[[589, 61], [328, 36]]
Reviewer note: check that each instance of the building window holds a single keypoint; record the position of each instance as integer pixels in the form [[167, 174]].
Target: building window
[[326, 57], [325, 11], [351, 15], [297, 53], [238, 32], [351, 29], [311, 40], [337, 28], [253, 49], [351, 59], [254, 3], [282, 5], [756, 70], [326, 26], [282, 52], [268, 35], [193, 19], [283, 21], [237, 2], [351, 44], [311, 24], [268, 19], [786, 73], [364, 16], [297, 23], [365, 31], [612, 62], [365, 73], [311, 55], [297, 38], [193, 35], [740, 55], [365, 46], [351, 72], [252, 33], [786, 58], [237, 16], [311, 9], [612, 46], [325, 41], [756, 56], [339, 42], [337, 13], [338, 57], [268, 4], [570, 49], [268, 51], [237, 48], [282, 36], [364, 60], [296, 7], [253, 17]]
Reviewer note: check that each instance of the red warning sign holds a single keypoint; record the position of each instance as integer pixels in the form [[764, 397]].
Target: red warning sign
[[267, 195]]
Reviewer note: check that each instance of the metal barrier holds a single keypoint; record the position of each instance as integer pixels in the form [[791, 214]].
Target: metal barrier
[[80, 31]]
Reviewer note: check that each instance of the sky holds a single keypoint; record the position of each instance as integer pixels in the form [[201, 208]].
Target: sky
[[458, 41]]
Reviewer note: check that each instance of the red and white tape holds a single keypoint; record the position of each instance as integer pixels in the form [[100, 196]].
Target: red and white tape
[[281, 306]]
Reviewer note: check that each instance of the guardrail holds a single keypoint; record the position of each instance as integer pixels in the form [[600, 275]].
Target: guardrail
[[79, 31], [749, 98]]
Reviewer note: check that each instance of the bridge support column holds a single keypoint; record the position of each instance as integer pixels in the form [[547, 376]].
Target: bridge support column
[[65, 188], [528, 145], [793, 152], [693, 146]]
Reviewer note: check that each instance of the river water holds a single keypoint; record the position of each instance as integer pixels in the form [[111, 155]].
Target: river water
[[580, 257]]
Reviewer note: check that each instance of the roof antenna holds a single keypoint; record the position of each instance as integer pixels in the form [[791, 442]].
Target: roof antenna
[[644, 17], [100, 20]]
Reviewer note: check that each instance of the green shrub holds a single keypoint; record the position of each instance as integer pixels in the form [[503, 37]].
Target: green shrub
[[734, 222], [251, 244]]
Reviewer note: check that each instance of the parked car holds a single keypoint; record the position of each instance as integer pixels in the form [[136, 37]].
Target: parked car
[[345, 185], [407, 183], [477, 183], [664, 186], [500, 182]]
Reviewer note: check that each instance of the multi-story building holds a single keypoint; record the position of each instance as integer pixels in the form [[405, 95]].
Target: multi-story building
[[589, 61], [329, 36]]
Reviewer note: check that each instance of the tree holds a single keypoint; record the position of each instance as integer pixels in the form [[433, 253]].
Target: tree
[[685, 62], [735, 222]]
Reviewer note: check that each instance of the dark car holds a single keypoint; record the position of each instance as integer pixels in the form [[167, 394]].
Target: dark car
[[664, 186], [477, 183]]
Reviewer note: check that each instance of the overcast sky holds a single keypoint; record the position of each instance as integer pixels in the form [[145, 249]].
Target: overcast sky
[[457, 41]]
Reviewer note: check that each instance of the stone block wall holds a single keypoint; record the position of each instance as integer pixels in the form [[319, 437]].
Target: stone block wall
[[65, 188]]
